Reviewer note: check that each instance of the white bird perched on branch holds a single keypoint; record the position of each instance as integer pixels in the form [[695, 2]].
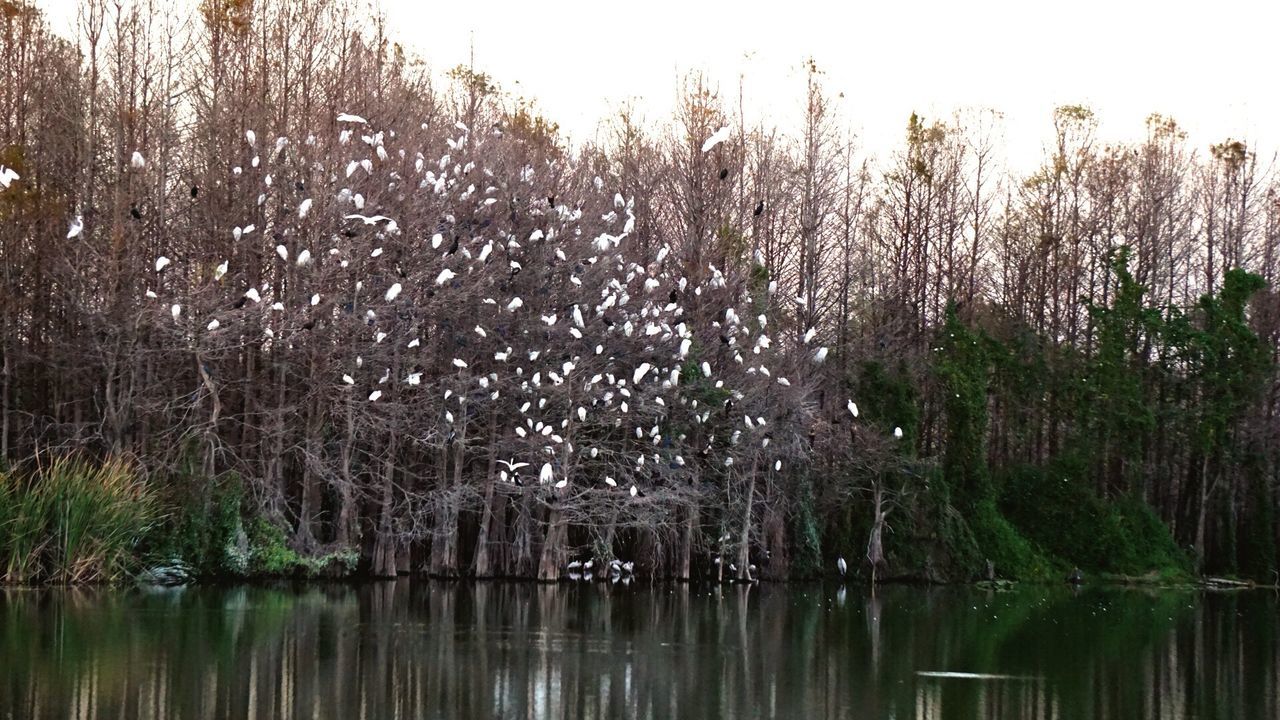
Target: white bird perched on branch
[[252, 294], [373, 396], [897, 432], [392, 292], [349, 118], [546, 475], [716, 138], [842, 566], [640, 372], [77, 225], [7, 176], [445, 276], [161, 263], [853, 408], [221, 270], [820, 356], [304, 207], [137, 161]]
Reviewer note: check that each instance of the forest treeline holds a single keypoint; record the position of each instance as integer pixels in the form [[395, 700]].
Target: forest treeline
[[330, 304]]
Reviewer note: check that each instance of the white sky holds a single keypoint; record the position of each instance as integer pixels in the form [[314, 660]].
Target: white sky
[[1213, 66]]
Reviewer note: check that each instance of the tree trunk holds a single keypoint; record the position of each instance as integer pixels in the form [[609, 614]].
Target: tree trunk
[[385, 545], [684, 553], [744, 540], [555, 554], [344, 532], [483, 566]]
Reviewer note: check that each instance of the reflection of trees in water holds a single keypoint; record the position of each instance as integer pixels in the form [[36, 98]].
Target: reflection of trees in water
[[491, 650]]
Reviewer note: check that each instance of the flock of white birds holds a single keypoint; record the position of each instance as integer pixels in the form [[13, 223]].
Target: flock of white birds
[[586, 336]]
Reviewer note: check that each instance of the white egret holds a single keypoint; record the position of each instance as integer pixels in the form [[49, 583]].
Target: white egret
[[716, 138]]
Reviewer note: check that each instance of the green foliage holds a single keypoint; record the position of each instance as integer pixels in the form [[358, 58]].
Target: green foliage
[[888, 399], [1119, 416], [1000, 542], [1055, 508], [962, 366], [804, 532], [202, 523], [72, 521], [933, 535], [269, 554]]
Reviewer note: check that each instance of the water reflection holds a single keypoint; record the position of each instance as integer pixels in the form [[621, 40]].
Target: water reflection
[[418, 649]]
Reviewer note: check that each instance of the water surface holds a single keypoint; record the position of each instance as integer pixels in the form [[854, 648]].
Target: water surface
[[457, 651]]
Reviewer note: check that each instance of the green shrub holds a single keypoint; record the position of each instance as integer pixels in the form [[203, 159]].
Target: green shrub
[[1056, 508], [269, 554], [203, 525], [1015, 556]]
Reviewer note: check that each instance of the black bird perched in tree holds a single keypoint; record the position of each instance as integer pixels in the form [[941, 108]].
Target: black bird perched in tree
[[453, 248], [724, 173], [551, 200], [137, 214], [195, 190], [300, 186], [759, 208]]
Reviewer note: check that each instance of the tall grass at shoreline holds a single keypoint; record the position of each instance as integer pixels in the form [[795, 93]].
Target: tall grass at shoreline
[[72, 521]]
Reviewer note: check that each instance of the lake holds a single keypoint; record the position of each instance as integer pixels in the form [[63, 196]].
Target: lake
[[431, 649]]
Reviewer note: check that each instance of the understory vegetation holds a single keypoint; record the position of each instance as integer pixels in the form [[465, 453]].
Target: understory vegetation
[[347, 316]]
